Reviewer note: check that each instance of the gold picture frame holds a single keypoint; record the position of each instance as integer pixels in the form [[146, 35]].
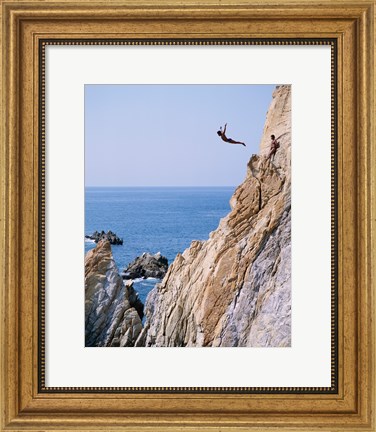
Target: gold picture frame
[[26, 26]]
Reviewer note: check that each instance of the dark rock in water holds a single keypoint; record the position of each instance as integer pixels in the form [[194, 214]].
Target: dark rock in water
[[146, 266], [110, 236], [134, 299]]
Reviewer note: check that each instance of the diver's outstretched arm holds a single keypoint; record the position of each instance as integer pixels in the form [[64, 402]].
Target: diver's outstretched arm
[[278, 137]]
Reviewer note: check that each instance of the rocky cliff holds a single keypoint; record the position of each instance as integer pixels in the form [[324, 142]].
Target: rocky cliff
[[113, 311], [235, 288]]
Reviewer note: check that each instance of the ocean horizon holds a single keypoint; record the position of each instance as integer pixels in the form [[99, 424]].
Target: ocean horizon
[[153, 219], [159, 187]]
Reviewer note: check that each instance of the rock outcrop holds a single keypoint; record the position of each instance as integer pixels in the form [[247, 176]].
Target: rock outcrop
[[113, 311], [109, 235], [235, 288], [147, 266]]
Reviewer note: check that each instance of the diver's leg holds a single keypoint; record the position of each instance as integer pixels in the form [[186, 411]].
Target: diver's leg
[[231, 141]]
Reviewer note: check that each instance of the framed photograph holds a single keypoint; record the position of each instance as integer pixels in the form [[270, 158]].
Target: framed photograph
[[188, 211]]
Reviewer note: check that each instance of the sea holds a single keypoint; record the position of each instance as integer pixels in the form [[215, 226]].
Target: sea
[[154, 219]]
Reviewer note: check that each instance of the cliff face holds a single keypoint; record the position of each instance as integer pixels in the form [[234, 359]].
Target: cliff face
[[235, 288], [112, 308]]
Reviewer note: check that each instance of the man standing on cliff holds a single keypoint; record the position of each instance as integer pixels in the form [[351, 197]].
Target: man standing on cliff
[[222, 134], [273, 147]]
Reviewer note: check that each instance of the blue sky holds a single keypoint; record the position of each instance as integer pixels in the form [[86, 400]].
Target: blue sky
[[165, 135]]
